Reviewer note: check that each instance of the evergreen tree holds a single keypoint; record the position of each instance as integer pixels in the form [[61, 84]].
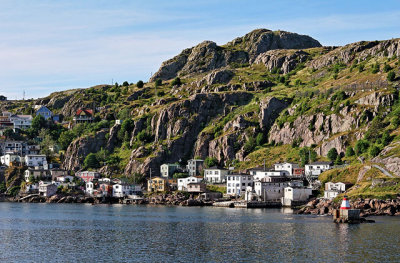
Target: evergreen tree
[[332, 154]]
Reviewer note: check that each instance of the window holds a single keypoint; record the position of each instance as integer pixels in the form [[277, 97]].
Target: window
[[243, 184]]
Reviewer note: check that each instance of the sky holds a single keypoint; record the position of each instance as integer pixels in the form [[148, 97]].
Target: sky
[[48, 46]]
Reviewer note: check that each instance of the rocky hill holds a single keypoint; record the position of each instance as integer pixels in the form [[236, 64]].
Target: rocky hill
[[264, 96]]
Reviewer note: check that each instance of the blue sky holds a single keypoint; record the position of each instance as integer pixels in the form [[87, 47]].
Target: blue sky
[[48, 46]]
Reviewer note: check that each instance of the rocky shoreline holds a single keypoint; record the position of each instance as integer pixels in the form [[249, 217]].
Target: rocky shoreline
[[177, 199], [368, 207]]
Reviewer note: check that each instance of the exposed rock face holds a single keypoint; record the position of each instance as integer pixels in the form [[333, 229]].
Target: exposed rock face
[[229, 146], [390, 162], [377, 99], [113, 138], [179, 125], [368, 207], [262, 40], [359, 51], [324, 128], [81, 147], [208, 56], [320, 128], [57, 102], [270, 108], [204, 57], [282, 59], [219, 77]]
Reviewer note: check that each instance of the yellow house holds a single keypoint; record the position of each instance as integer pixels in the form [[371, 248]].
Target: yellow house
[[156, 184]]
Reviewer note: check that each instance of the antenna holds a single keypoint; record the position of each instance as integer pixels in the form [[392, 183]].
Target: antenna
[[23, 95]]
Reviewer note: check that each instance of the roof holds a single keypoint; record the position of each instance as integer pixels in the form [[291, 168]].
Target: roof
[[86, 111], [294, 164], [346, 183], [43, 107], [215, 168], [322, 163]]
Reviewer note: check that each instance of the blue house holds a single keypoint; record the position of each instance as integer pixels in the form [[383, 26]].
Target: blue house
[[45, 112]]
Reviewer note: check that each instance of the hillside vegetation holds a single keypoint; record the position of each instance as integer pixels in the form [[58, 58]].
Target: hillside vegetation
[[268, 96]]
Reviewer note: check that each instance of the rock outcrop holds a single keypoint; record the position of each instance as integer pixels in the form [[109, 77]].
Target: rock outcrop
[[283, 60], [388, 159], [359, 51], [81, 147], [368, 207], [270, 108], [262, 40], [208, 56], [179, 125]]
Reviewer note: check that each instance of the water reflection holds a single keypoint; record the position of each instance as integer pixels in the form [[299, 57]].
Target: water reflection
[[82, 233]]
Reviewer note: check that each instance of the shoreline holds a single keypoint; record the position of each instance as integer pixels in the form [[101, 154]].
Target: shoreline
[[316, 207]]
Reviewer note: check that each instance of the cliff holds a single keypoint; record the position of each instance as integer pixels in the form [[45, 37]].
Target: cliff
[[262, 96]]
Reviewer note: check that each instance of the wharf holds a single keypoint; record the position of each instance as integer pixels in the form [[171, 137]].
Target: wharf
[[252, 204]]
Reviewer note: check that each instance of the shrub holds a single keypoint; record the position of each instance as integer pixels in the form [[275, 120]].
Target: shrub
[[249, 145], [210, 161], [361, 68], [374, 150], [176, 82], [391, 76], [375, 68], [125, 84], [386, 68], [361, 147], [332, 154], [158, 82], [13, 191], [350, 152], [160, 93], [140, 84], [396, 121], [144, 137], [338, 160], [260, 139], [91, 161]]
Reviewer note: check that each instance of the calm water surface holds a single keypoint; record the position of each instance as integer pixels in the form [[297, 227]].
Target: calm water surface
[[120, 233]]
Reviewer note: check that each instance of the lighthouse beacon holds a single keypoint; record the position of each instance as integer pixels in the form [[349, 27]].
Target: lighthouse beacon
[[345, 204]]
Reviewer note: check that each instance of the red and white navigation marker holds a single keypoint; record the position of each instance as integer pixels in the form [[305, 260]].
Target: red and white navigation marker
[[345, 203]]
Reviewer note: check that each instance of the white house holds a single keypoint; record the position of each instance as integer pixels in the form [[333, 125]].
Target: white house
[[215, 175], [65, 179], [121, 190], [195, 166], [168, 169], [287, 167], [270, 190], [332, 190], [89, 188], [21, 122], [7, 159], [259, 175], [37, 174], [47, 190], [33, 160], [183, 182], [317, 168], [297, 193], [236, 184]]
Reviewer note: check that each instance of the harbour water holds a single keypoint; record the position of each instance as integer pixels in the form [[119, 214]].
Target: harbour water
[[123, 233]]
